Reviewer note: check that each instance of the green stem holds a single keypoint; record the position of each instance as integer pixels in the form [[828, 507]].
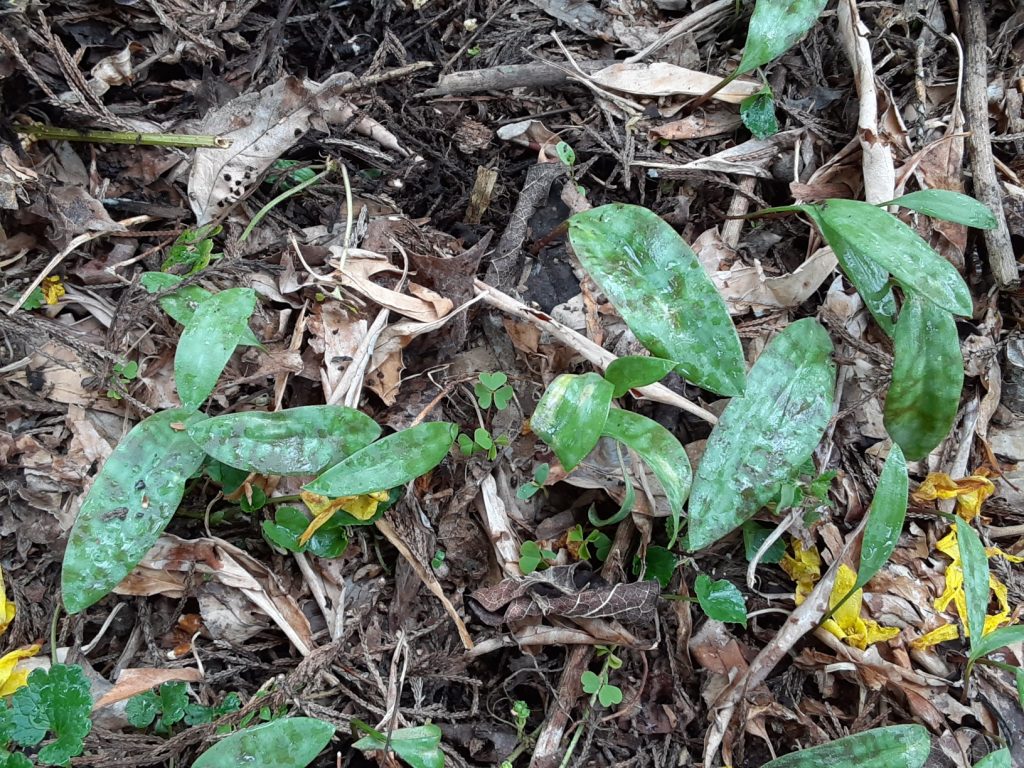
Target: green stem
[[53, 633], [280, 198], [52, 133]]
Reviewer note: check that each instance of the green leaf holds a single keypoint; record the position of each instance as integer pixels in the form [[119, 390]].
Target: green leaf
[[571, 416], [391, 461], [181, 305], [658, 563], [927, 377], [141, 710], [757, 112], [976, 581], [996, 639], [330, 540], [754, 535], [296, 441], [893, 746], [591, 682], [661, 290], [852, 226], [625, 373], [420, 747], [502, 397], [764, 437], [173, 702], [874, 286], [208, 342], [661, 452], [15, 760], [609, 695], [775, 27], [55, 701], [530, 557], [998, 759], [885, 517], [1020, 687], [948, 205], [565, 153], [129, 505], [721, 600], [494, 381], [290, 742]]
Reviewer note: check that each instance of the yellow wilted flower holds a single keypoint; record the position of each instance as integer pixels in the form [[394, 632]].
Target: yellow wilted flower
[[52, 289], [846, 623], [11, 679], [970, 492], [7, 609], [803, 567], [323, 508], [954, 593]]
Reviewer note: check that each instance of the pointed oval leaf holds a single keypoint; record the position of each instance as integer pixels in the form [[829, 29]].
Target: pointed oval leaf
[[775, 27], [976, 581], [571, 416], [948, 205], [885, 517], [892, 746], [419, 746], [927, 377], [130, 502], [391, 461], [996, 639], [757, 112], [625, 373], [720, 600], [661, 451], [208, 342], [181, 305], [296, 441], [852, 226], [765, 436], [661, 290], [998, 759], [874, 286], [289, 742]]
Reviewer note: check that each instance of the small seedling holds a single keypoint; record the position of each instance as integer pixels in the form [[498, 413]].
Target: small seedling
[[530, 488], [521, 713], [124, 373], [483, 442], [596, 684], [568, 157], [493, 387], [533, 558], [169, 705], [193, 250], [579, 544], [438, 559]]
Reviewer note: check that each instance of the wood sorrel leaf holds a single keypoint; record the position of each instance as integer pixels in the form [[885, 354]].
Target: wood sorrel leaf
[[892, 746], [662, 292], [296, 441], [208, 341], [927, 376], [660, 451], [289, 742], [976, 582], [948, 205], [571, 416], [720, 600], [129, 505], [635, 371], [765, 436], [775, 27], [391, 461], [855, 227]]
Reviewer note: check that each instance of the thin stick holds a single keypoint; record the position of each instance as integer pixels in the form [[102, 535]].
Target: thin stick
[[53, 133]]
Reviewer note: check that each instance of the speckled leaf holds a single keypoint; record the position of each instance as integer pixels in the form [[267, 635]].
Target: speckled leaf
[[635, 371], [998, 759], [208, 342], [290, 742], [976, 580], [874, 286], [892, 746], [757, 112], [661, 290], [948, 205], [296, 441], [392, 460], [765, 436], [571, 416], [775, 27], [852, 226], [181, 305], [130, 502], [885, 517], [927, 377], [661, 452], [418, 746]]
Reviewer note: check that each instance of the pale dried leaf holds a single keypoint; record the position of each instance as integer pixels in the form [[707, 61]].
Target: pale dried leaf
[[661, 79]]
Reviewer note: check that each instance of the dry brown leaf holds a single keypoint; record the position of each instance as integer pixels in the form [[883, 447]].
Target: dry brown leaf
[[660, 79], [702, 124], [751, 158], [424, 306]]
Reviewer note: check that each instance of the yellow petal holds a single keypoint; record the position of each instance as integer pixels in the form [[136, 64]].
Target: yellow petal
[[52, 289], [7, 610], [804, 567], [948, 546], [997, 552], [876, 633], [970, 492], [315, 524], [848, 614], [938, 485], [942, 634], [10, 678], [364, 507]]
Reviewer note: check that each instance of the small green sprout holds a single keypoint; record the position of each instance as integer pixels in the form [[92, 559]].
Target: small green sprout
[[493, 387], [530, 488]]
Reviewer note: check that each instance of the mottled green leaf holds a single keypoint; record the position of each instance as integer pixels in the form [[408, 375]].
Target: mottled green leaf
[[55, 701], [720, 600], [571, 416], [757, 112], [625, 373], [181, 305], [885, 517], [874, 286], [948, 205], [996, 639], [998, 759], [754, 536], [661, 290], [296, 441], [892, 746], [391, 461], [927, 377], [764, 437], [130, 502], [661, 452], [976, 580], [208, 342], [852, 226], [775, 27], [289, 742], [420, 747]]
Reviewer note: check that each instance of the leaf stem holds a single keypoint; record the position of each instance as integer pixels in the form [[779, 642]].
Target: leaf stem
[[53, 133]]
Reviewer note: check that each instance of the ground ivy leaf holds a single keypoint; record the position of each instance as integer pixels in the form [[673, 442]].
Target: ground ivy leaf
[[571, 415], [775, 26], [208, 341], [661, 290], [893, 746], [976, 580], [130, 502], [757, 112], [295, 441], [141, 710], [720, 600], [927, 377], [625, 373], [55, 701], [391, 461], [948, 205], [289, 742], [420, 746], [764, 437]]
